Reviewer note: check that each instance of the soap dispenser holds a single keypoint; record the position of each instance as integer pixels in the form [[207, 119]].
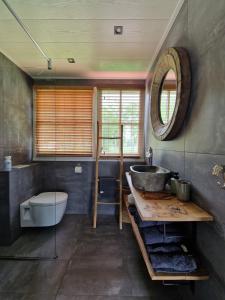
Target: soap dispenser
[[173, 182], [8, 163]]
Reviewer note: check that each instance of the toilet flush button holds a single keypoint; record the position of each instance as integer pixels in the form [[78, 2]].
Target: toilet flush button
[[78, 169]]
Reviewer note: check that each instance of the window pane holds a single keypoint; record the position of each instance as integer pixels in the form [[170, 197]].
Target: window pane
[[130, 139], [110, 111], [130, 106], [121, 107], [110, 146]]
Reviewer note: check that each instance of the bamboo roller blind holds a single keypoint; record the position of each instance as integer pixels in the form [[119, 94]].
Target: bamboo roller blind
[[63, 121]]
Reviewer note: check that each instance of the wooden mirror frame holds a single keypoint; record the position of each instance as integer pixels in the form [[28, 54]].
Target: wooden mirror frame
[[176, 59]]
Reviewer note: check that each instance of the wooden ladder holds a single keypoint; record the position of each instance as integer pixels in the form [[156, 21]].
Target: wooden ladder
[[119, 179]]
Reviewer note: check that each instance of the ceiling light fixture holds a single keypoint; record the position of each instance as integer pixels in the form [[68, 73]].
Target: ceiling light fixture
[[22, 25], [118, 30], [71, 60], [49, 64]]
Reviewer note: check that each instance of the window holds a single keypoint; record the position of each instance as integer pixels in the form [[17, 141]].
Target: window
[[121, 107], [63, 121]]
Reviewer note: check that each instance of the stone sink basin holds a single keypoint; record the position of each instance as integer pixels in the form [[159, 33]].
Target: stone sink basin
[[149, 178]]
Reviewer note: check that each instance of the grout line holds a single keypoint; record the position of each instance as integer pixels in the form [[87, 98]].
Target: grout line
[[90, 19], [185, 119], [62, 278], [81, 42], [189, 152]]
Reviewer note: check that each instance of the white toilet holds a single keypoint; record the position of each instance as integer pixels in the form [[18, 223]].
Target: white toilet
[[45, 209]]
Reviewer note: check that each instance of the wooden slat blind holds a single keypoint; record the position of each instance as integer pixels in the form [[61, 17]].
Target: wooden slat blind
[[63, 121], [125, 107]]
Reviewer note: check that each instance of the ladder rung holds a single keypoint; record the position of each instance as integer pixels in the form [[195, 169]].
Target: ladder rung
[[108, 203], [109, 138], [102, 179]]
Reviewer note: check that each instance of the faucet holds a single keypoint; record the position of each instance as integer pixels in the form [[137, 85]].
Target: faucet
[[149, 156]]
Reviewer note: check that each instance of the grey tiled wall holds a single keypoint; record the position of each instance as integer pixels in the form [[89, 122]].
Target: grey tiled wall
[[15, 187], [15, 112], [60, 176], [199, 28], [15, 140]]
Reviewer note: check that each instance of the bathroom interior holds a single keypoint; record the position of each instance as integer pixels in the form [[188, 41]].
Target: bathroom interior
[[112, 152]]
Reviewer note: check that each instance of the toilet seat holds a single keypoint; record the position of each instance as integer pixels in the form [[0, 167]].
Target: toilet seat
[[48, 199]]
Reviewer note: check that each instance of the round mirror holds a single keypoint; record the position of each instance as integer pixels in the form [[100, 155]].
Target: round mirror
[[168, 97], [170, 90]]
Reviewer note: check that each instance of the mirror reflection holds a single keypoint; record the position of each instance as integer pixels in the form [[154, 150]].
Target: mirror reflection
[[168, 97]]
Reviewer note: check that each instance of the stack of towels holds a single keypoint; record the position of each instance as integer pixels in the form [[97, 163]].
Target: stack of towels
[[164, 244]]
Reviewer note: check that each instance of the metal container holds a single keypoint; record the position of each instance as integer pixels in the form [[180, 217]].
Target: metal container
[[149, 178], [173, 185], [183, 188]]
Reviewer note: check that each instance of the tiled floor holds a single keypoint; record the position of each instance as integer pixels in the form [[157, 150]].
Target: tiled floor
[[101, 264]]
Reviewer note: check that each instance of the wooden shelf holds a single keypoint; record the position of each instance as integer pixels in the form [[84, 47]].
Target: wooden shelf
[[166, 207], [198, 275]]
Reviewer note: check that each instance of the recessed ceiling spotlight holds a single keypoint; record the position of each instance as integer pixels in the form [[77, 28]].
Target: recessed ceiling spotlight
[[118, 29], [49, 64], [71, 60]]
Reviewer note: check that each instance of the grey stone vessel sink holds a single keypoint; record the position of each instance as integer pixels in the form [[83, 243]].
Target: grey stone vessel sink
[[149, 178]]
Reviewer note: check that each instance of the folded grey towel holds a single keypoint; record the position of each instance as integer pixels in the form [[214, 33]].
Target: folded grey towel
[[132, 209], [173, 263], [142, 224], [156, 235], [165, 248]]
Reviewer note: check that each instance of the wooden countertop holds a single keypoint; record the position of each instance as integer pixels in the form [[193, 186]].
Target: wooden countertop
[[166, 207]]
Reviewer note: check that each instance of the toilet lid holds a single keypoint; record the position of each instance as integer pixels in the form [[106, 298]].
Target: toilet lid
[[49, 198]]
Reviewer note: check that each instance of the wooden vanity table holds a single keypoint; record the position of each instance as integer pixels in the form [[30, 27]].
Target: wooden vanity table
[[165, 207]]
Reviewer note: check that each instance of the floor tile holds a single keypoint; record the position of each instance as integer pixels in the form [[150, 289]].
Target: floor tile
[[99, 247], [47, 242], [15, 296], [96, 275], [34, 242], [31, 277], [63, 297]]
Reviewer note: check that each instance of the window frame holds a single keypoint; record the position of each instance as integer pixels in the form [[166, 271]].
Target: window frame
[[140, 154], [95, 118]]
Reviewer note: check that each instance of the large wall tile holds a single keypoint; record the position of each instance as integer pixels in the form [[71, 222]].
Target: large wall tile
[[206, 23], [205, 189], [15, 113], [15, 187], [172, 160], [212, 246], [60, 176], [205, 129]]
